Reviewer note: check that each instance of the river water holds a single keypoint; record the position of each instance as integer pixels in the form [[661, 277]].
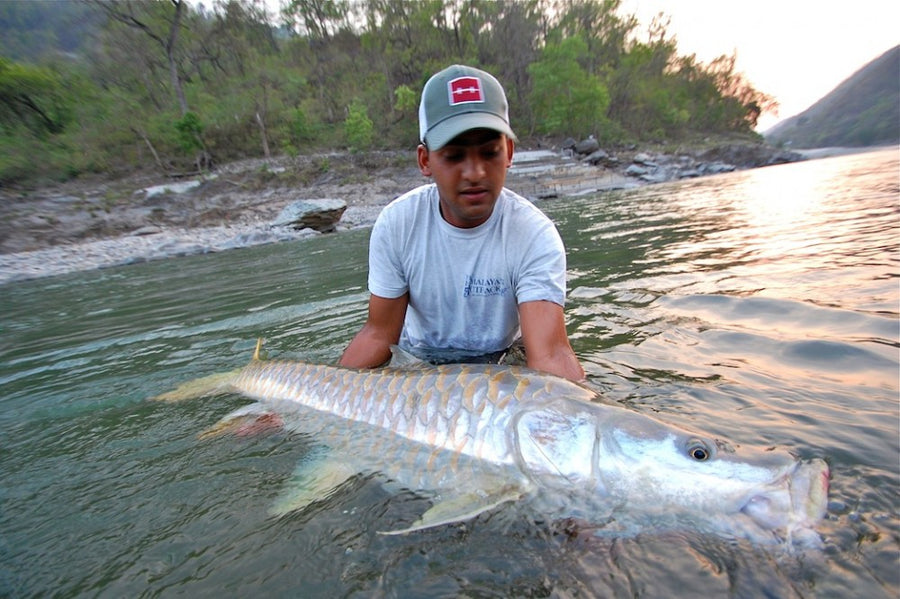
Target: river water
[[760, 306]]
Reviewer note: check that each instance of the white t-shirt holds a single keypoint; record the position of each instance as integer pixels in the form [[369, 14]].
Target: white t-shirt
[[464, 284]]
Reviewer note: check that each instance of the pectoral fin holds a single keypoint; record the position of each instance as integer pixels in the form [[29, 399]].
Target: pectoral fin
[[251, 420], [315, 480], [460, 508]]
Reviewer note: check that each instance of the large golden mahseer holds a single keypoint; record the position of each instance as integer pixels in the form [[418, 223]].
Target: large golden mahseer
[[476, 436]]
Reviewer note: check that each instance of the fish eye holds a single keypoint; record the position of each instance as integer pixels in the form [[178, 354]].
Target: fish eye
[[699, 451]]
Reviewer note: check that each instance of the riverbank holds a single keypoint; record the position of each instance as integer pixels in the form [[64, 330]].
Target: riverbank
[[99, 224]]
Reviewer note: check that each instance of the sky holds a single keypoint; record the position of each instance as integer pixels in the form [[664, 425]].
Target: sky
[[793, 50]]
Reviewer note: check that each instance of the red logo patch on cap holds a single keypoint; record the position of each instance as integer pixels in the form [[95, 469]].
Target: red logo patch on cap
[[465, 90]]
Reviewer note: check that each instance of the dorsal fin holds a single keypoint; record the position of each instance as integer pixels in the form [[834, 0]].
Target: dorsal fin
[[259, 353]]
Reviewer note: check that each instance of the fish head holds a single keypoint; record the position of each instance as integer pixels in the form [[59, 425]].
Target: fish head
[[793, 503], [613, 456], [696, 476]]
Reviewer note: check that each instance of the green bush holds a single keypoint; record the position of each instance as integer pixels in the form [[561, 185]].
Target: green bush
[[189, 130], [569, 100], [358, 127]]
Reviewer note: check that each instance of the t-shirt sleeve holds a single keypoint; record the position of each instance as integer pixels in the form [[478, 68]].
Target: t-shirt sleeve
[[386, 273], [542, 273]]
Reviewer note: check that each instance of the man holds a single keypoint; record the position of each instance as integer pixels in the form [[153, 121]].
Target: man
[[459, 268]]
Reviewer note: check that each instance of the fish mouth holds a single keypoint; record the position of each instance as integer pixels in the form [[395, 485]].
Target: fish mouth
[[796, 500]]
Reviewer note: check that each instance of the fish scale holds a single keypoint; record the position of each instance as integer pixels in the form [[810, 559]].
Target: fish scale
[[476, 436], [455, 412]]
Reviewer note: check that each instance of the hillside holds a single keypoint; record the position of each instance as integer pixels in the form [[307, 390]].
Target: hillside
[[210, 83], [864, 110]]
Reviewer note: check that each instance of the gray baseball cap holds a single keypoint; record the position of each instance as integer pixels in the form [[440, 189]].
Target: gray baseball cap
[[458, 99]]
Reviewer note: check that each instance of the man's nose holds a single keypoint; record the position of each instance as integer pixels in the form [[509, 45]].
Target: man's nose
[[474, 168]]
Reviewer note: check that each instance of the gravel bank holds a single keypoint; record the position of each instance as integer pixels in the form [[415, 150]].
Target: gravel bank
[[84, 226]]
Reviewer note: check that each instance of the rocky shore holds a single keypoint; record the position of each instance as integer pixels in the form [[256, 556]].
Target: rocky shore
[[94, 224]]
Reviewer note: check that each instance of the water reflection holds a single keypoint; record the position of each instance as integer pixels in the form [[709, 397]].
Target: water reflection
[[759, 306]]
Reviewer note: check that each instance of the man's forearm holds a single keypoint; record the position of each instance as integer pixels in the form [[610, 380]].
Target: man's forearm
[[366, 350]]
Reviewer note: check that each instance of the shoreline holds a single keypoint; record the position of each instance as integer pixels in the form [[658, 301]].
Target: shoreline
[[233, 209], [166, 243], [238, 220]]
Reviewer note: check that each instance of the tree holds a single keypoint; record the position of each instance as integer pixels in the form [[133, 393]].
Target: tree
[[566, 99], [31, 97], [741, 104], [598, 23], [405, 41], [163, 29], [645, 99], [717, 98], [358, 127], [406, 104], [163, 78], [318, 19], [505, 37]]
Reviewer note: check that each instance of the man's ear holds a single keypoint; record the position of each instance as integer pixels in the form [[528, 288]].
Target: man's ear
[[510, 148], [422, 158]]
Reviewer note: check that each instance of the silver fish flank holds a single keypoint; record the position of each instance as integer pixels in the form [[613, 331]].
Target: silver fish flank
[[474, 437]]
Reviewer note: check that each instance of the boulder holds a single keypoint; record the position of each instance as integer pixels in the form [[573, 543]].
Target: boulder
[[784, 157], [587, 146], [748, 155], [644, 159], [598, 157], [717, 168], [320, 215], [634, 170]]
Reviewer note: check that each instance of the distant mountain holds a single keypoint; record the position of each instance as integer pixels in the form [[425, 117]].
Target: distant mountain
[[34, 30], [864, 110]]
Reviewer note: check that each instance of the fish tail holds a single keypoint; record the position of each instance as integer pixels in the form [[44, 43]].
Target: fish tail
[[202, 387], [212, 384]]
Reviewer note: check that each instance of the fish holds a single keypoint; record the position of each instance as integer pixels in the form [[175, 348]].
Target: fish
[[474, 437]]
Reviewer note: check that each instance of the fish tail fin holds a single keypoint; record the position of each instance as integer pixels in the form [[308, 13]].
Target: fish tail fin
[[212, 384], [202, 387]]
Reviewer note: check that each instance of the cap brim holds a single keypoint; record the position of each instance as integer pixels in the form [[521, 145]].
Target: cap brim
[[442, 133]]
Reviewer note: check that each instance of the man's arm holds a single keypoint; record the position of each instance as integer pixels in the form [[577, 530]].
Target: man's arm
[[547, 345], [371, 346]]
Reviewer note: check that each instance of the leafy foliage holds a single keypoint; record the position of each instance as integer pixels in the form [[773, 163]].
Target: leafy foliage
[[178, 85], [570, 100], [189, 131], [358, 127], [31, 98]]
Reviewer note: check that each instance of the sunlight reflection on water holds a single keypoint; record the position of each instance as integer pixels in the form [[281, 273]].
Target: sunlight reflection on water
[[761, 306]]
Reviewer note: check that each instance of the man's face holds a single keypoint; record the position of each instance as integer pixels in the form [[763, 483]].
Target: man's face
[[469, 173]]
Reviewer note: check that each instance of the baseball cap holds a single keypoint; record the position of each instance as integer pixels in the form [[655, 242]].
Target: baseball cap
[[458, 99]]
